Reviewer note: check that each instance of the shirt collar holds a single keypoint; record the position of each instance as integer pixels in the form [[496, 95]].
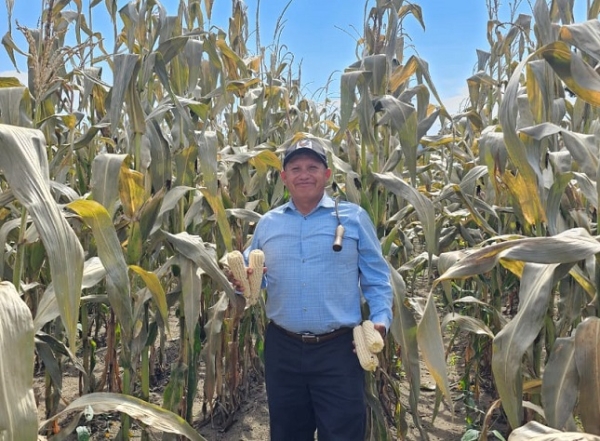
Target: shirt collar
[[326, 202]]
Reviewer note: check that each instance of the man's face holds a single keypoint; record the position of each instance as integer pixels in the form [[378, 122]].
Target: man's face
[[305, 177]]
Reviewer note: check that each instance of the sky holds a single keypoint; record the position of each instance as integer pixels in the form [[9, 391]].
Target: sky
[[322, 35]]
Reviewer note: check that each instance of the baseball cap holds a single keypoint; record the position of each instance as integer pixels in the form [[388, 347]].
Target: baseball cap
[[305, 145]]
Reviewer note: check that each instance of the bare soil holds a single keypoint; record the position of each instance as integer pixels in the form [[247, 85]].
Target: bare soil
[[251, 421]]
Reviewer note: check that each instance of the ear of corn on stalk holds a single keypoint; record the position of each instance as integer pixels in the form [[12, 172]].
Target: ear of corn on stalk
[[251, 284], [367, 359], [373, 338]]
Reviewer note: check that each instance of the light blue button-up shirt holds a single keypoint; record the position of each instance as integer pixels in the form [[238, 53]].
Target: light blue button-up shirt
[[310, 287]]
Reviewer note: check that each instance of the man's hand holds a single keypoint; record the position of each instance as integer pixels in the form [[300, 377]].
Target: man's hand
[[237, 285], [381, 328]]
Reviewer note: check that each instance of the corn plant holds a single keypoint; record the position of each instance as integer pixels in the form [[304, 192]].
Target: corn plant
[[146, 184], [537, 170]]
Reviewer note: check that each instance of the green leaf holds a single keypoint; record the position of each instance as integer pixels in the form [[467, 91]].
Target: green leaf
[[528, 195], [204, 255], [126, 65], [47, 309], [571, 246], [191, 287], [216, 204], [18, 411], [348, 83], [534, 431], [467, 323], [158, 293], [131, 191], [587, 360], [511, 343], [585, 36], [111, 255], [212, 347], [578, 75], [560, 383], [10, 103], [404, 331], [423, 206], [149, 414], [431, 344], [105, 186], [24, 163]]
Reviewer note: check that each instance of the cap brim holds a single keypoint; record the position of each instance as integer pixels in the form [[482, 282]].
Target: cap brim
[[311, 152]]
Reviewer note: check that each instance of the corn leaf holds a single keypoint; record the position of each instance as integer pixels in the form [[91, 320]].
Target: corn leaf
[[47, 310], [125, 67], [158, 293], [211, 349], [587, 360], [431, 344], [403, 73], [191, 291], [534, 431], [585, 36], [528, 167], [149, 414], [404, 331], [105, 182], [18, 410], [111, 255], [207, 155], [560, 383], [571, 246], [216, 204], [529, 203], [131, 191], [23, 161], [556, 223], [467, 323], [578, 75], [584, 151], [594, 10], [511, 343], [348, 83], [204, 255], [423, 206], [10, 103]]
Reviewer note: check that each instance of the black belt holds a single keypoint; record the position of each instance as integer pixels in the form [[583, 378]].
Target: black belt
[[307, 337]]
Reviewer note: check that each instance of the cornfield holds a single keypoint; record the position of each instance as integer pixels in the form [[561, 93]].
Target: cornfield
[[128, 173]]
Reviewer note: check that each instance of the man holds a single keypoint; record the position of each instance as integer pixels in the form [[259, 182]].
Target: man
[[313, 378]]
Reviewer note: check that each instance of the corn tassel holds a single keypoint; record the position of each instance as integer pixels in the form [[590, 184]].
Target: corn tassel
[[257, 263], [236, 263], [367, 359], [373, 338]]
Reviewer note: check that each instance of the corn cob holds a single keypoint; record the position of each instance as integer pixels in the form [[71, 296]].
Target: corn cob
[[368, 360], [257, 262], [236, 263], [373, 338]]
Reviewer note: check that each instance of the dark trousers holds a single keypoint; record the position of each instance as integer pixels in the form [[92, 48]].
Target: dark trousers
[[314, 387]]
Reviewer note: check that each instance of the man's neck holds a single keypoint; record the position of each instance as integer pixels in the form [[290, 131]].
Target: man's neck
[[306, 207]]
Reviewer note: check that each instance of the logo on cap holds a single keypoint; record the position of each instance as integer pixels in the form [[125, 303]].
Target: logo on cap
[[308, 144], [304, 144]]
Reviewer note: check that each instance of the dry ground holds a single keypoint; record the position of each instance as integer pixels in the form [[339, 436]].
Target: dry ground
[[251, 422]]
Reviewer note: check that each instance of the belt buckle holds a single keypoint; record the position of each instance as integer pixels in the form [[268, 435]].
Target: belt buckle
[[309, 338]]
